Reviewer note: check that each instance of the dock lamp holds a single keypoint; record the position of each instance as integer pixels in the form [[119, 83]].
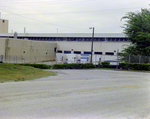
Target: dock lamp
[[92, 43]]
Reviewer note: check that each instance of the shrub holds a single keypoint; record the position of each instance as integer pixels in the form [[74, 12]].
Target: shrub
[[135, 66], [88, 65], [58, 66], [73, 66], [124, 65], [1, 61], [40, 66], [105, 64], [99, 65]]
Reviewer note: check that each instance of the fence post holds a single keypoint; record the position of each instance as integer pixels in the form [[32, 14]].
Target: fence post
[[117, 58], [95, 60], [139, 58], [129, 58]]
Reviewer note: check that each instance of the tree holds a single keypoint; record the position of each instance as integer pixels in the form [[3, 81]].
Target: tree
[[137, 29]]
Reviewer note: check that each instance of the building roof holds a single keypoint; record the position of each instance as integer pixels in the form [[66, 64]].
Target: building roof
[[107, 35]]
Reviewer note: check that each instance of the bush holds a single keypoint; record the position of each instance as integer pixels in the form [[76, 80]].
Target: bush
[[105, 64], [135, 66], [58, 66], [73, 66], [40, 66], [124, 66], [88, 65], [1, 61]]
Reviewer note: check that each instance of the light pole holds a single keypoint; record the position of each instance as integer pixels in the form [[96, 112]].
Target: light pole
[[92, 43]]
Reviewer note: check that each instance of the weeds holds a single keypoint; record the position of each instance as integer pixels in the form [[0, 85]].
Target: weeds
[[11, 72]]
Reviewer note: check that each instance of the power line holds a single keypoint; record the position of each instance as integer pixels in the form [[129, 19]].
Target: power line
[[83, 11], [44, 2], [21, 15], [41, 21]]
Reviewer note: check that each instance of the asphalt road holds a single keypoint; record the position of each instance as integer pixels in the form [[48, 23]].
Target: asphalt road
[[78, 94]]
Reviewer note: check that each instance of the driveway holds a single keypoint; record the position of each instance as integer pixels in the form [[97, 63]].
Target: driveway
[[78, 94]]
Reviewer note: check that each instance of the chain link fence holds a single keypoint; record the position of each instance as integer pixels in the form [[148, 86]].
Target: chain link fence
[[22, 59], [72, 58], [61, 59], [134, 59]]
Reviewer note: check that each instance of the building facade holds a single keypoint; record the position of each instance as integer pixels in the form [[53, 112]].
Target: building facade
[[106, 46], [79, 43]]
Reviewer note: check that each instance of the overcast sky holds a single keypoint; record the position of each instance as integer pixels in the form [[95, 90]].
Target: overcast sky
[[68, 16]]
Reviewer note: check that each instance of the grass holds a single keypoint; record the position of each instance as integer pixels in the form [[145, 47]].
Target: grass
[[12, 72]]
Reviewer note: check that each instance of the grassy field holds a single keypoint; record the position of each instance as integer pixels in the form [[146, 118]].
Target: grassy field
[[11, 72]]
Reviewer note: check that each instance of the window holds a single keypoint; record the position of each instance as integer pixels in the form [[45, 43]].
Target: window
[[60, 39], [77, 52], [109, 53], [87, 52], [47, 39], [59, 51], [109, 39], [126, 39], [98, 53], [121, 39], [70, 39], [96, 39], [90, 39], [67, 52], [87, 39], [52, 39], [113, 39], [78, 39], [117, 39], [40, 38], [102, 39]]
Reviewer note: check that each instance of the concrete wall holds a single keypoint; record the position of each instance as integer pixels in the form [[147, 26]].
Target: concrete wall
[[2, 46], [15, 50], [3, 26]]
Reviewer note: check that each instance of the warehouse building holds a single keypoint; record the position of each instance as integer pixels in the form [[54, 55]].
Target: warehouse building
[[73, 46], [64, 47]]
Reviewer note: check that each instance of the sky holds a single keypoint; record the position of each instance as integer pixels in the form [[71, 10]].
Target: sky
[[68, 16]]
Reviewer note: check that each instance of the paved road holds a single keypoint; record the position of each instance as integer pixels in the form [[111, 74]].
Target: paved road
[[78, 94]]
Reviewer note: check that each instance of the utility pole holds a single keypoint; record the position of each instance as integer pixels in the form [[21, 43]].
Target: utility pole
[[92, 43]]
